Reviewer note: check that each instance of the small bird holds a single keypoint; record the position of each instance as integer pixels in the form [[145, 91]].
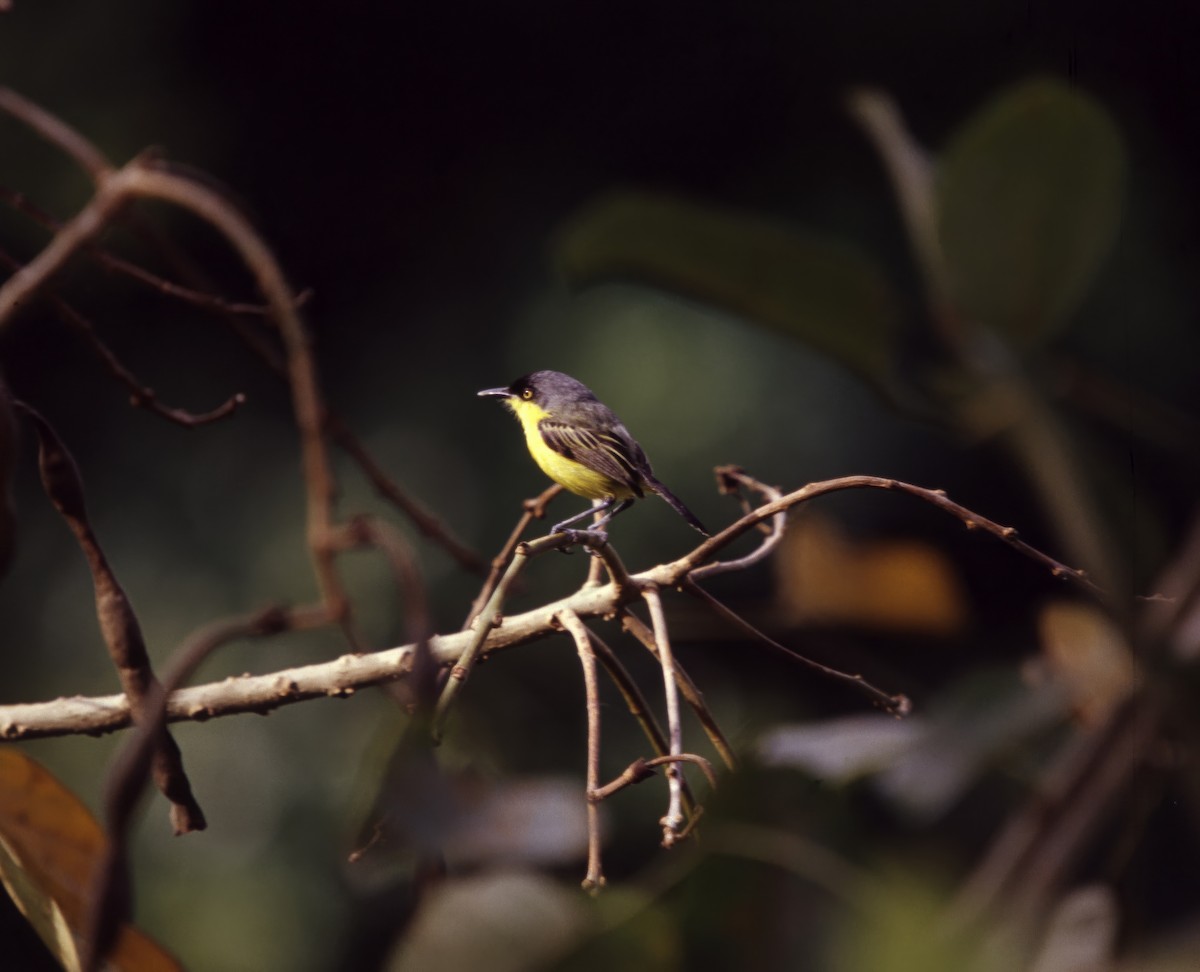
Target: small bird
[[580, 443]]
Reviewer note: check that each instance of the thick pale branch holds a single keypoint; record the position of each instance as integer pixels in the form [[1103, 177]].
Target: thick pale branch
[[345, 675], [339, 678]]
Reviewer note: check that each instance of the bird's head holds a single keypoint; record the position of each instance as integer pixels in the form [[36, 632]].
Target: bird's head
[[541, 393]]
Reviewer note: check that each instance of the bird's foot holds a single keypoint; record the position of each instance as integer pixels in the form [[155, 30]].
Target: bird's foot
[[581, 537]]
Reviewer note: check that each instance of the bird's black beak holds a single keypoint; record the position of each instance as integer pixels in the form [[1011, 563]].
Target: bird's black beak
[[494, 393]]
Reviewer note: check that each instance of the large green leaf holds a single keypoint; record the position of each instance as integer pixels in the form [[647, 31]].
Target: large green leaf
[[826, 294], [1029, 199]]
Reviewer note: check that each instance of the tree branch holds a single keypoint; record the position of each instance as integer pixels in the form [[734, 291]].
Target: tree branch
[[345, 675]]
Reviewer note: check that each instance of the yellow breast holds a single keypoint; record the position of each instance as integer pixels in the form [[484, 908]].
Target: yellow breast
[[572, 475]]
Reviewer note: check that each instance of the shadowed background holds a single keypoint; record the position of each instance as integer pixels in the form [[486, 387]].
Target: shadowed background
[[418, 167]]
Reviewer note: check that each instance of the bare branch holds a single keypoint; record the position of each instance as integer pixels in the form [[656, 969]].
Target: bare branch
[[490, 615], [671, 574], [140, 396], [730, 479], [345, 675], [57, 133], [691, 693], [142, 178], [594, 880], [533, 509], [897, 705], [115, 264], [672, 821], [639, 708], [425, 522], [118, 623], [139, 179]]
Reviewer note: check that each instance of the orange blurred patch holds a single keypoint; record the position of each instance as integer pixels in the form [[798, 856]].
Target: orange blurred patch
[[1087, 653], [824, 577]]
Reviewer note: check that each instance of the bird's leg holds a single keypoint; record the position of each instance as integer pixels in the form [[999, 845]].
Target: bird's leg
[[623, 505], [597, 507]]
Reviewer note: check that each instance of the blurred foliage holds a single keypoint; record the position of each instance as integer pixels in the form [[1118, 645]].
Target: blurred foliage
[[825, 295], [426, 170], [1029, 202]]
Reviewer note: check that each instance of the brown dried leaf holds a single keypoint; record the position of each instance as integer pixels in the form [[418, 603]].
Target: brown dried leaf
[[50, 846]]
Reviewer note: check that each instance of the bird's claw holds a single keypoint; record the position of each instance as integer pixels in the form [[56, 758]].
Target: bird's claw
[[577, 536]]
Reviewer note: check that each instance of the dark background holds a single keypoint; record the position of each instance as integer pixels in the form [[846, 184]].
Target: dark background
[[413, 165]]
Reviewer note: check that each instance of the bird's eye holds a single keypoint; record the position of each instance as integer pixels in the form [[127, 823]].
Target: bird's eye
[[527, 394]]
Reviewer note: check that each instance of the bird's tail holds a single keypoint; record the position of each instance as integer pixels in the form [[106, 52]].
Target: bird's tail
[[676, 503]]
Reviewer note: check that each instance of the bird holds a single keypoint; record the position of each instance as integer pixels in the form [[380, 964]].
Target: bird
[[579, 442]]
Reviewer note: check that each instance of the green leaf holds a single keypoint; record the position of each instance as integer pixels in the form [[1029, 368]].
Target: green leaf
[[826, 294], [1030, 194]]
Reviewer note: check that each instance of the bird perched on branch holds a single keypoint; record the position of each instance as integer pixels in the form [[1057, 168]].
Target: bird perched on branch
[[580, 443]]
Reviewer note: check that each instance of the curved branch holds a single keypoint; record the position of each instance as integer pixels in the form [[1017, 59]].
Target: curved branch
[[140, 179]]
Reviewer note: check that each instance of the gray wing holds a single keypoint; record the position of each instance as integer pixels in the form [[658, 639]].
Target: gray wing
[[612, 452]]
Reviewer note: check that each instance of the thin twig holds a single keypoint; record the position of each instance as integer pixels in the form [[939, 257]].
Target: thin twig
[[117, 264], [489, 616], [639, 708], [705, 766], [730, 479], [139, 179], [688, 564], [56, 132], [594, 880], [425, 522], [636, 772], [479, 631], [534, 508], [636, 702], [642, 769], [672, 821], [691, 693], [140, 396], [897, 705]]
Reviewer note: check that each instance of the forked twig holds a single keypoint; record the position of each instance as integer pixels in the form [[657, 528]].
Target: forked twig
[[140, 396]]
